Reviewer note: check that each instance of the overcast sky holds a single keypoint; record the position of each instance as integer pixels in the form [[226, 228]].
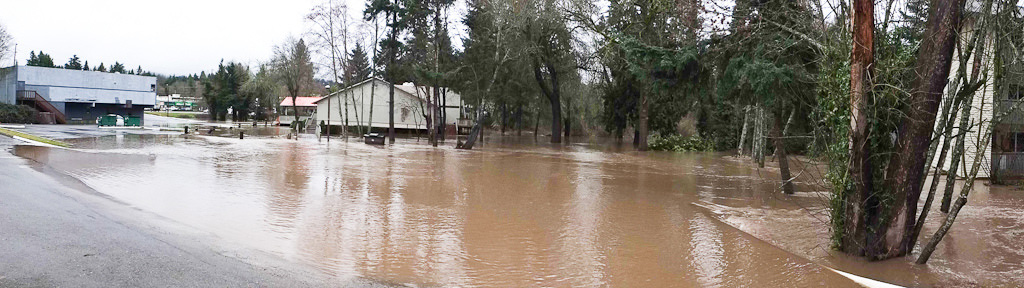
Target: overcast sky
[[166, 37]]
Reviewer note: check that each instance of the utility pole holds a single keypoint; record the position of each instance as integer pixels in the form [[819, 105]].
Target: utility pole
[[328, 126]]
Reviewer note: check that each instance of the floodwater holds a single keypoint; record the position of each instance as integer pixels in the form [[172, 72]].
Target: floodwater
[[510, 214]]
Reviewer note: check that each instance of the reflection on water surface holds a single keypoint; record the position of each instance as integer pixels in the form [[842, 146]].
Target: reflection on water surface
[[509, 215]]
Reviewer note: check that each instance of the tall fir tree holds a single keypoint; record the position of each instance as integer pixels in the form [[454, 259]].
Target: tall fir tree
[[360, 65], [74, 63]]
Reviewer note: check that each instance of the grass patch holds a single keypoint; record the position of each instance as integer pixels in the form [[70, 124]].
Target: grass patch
[[174, 115], [13, 133]]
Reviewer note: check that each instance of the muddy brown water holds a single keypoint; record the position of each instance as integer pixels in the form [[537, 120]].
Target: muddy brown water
[[511, 214]]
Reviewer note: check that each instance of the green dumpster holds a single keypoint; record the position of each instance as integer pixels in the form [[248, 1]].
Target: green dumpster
[[109, 120], [133, 121]]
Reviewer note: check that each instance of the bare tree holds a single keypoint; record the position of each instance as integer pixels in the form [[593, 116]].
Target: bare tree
[[294, 69], [5, 43], [330, 30]]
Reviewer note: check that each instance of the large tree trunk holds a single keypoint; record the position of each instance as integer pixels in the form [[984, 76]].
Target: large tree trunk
[[642, 129], [390, 68], [504, 117], [760, 137], [780, 152], [965, 191], [946, 126], [636, 136], [962, 88], [391, 114], [369, 120], [743, 131], [519, 120], [567, 122], [860, 204], [906, 166], [553, 96], [444, 114], [295, 109], [958, 153], [352, 95], [536, 124]]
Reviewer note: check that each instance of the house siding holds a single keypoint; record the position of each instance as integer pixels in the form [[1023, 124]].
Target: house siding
[[981, 115], [408, 113]]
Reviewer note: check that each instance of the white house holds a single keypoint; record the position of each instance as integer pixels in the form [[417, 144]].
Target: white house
[[366, 103], [1003, 157]]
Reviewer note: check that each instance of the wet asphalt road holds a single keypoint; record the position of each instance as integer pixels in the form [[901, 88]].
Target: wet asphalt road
[[55, 232]]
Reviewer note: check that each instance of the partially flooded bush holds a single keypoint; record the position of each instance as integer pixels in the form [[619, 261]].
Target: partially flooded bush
[[17, 114], [679, 143]]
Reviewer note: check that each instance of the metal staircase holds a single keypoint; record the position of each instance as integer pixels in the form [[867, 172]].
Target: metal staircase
[[46, 109]]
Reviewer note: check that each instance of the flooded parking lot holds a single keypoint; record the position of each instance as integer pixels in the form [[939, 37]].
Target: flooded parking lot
[[512, 214]]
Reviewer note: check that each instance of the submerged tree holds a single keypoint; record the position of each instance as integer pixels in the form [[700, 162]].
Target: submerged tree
[[550, 47], [394, 14], [294, 69], [893, 131], [262, 89], [223, 90], [331, 34]]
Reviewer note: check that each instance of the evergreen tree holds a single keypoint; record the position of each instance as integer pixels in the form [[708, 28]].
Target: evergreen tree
[[101, 68], [86, 66], [261, 89], [394, 15], [118, 68], [222, 90], [360, 65], [40, 60], [74, 63], [914, 17], [33, 60], [45, 60]]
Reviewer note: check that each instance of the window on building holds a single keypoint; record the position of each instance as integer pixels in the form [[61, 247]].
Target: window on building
[[1018, 142], [1016, 92]]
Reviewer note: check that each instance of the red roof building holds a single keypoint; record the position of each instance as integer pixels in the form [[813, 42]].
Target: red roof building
[[300, 101]]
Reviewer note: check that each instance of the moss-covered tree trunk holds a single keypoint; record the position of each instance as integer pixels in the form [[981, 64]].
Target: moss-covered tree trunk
[[906, 166], [861, 204]]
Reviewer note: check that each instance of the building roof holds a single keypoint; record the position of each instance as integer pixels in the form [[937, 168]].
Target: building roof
[[301, 101], [408, 88], [350, 87]]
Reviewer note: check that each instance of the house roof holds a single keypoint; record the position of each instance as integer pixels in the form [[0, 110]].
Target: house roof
[[349, 87], [301, 101], [408, 88]]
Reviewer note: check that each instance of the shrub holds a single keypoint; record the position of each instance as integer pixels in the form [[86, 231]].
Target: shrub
[[678, 143], [17, 114]]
